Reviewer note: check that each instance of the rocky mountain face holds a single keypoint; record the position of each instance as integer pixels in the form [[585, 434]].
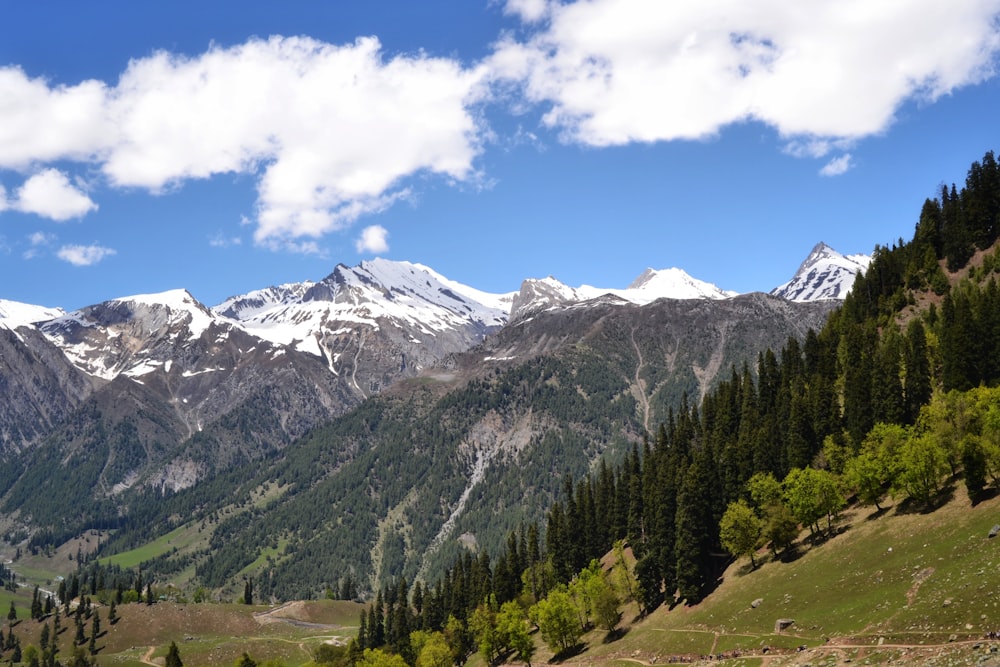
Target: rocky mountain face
[[466, 452], [245, 378], [825, 274], [39, 387], [445, 401]]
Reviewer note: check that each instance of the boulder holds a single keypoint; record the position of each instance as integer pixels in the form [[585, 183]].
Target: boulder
[[783, 624]]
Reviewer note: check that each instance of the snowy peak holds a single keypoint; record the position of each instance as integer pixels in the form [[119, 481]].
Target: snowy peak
[[245, 306], [380, 280], [376, 294], [671, 283], [14, 314], [537, 295], [130, 335], [825, 274]]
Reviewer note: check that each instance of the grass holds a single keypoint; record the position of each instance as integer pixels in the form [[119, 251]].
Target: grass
[[180, 538], [899, 586], [906, 578], [211, 634]]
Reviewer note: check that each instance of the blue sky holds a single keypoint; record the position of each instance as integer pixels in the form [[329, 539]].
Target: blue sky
[[223, 147]]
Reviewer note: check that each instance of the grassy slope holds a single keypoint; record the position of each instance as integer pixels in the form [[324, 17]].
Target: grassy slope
[[902, 579], [212, 634]]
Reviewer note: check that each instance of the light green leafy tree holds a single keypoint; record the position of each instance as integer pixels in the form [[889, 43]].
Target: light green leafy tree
[[483, 625], [923, 463], [513, 630], [557, 620], [376, 657], [740, 530], [812, 494], [865, 474], [431, 649]]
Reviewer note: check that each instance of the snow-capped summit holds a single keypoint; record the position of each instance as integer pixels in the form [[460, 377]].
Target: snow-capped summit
[[129, 335], [825, 274], [537, 295], [374, 294], [14, 314], [671, 283], [245, 306]]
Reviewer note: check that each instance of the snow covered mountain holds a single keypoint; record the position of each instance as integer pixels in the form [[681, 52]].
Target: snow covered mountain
[[825, 274], [674, 283], [375, 295], [14, 314], [314, 349]]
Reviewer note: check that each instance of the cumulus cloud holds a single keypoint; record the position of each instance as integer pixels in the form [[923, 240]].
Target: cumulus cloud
[[50, 194], [613, 72], [84, 255], [528, 10], [373, 239], [41, 123], [837, 166], [329, 131]]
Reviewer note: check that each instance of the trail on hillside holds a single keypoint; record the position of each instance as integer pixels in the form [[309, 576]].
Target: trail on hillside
[[147, 658]]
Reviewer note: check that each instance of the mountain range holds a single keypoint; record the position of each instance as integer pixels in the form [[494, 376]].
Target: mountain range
[[159, 394]]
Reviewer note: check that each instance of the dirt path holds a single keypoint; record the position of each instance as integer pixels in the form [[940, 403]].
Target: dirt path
[[147, 659]]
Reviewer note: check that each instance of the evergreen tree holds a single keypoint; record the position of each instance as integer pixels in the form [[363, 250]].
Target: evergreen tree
[[691, 537], [974, 466], [248, 591], [916, 364], [173, 656]]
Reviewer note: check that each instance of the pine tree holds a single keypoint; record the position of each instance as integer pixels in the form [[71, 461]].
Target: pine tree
[[173, 656], [248, 591], [916, 363], [690, 551]]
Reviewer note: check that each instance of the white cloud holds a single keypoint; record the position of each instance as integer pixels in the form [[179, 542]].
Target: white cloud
[[329, 131], [3, 199], [528, 10], [837, 166], [38, 241], [81, 255], [619, 71], [49, 194], [373, 239], [220, 240], [39, 123], [41, 238]]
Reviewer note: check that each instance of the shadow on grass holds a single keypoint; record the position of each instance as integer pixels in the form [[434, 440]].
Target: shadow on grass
[[570, 652], [878, 513], [929, 506], [792, 553], [615, 635], [984, 495]]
